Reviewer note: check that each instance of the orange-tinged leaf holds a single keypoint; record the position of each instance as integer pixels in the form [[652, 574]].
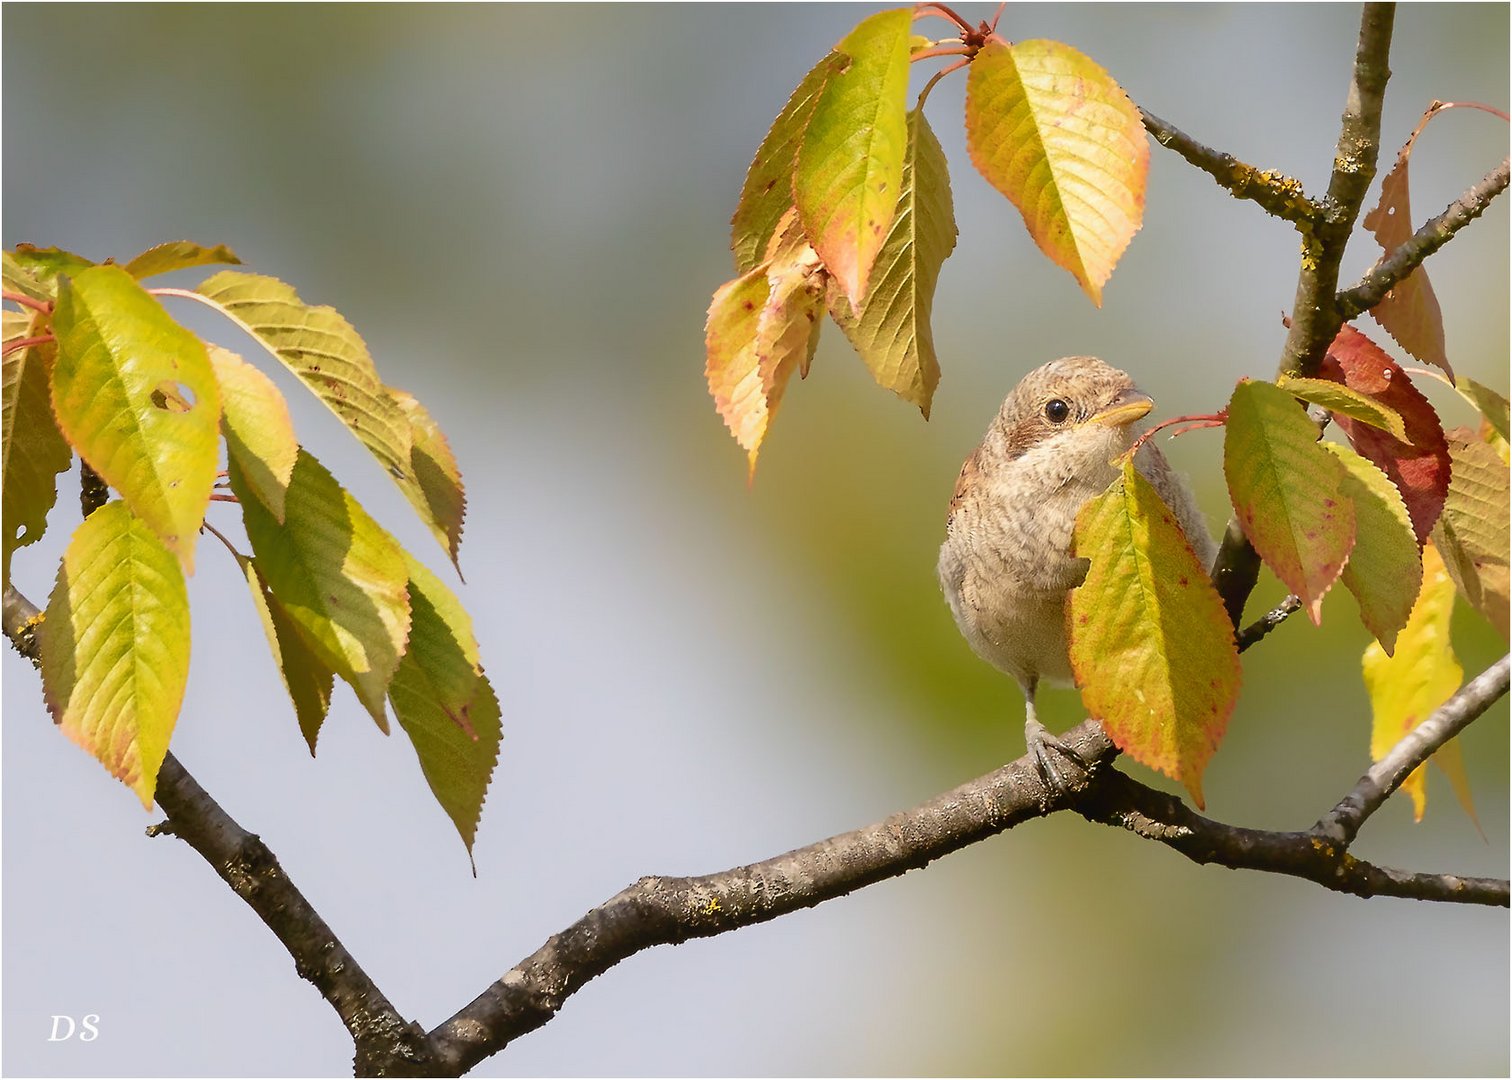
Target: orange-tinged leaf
[[115, 645], [1473, 534], [1287, 491], [179, 255], [850, 160], [892, 331], [1053, 132], [434, 486], [1340, 399], [1385, 568], [1151, 646], [307, 680], [730, 343], [762, 327], [1418, 466], [34, 451], [768, 190], [1409, 312], [259, 431], [124, 372], [1406, 687], [339, 577]]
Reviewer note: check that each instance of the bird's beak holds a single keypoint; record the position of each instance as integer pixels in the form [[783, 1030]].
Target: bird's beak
[[1127, 407]]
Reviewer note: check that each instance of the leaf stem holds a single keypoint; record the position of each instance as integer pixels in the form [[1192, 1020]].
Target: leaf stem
[[943, 11], [213, 531], [956, 49], [26, 301], [25, 343], [937, 76]]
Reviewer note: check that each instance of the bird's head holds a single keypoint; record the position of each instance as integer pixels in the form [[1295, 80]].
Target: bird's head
[[1077, 408]]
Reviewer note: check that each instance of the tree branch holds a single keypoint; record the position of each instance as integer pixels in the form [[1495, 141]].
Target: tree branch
[[1343, 822], [1316, 316], [1275, 192], [658, 911], [666, 911], [1393, 266], [384, 1040]]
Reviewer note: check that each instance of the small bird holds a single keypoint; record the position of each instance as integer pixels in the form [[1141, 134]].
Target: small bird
[[1006, 565]]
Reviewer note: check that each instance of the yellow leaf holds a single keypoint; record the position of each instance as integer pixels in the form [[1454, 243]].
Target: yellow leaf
[[115, 645], [1053, 132], [1151, 645], [1406, 687]]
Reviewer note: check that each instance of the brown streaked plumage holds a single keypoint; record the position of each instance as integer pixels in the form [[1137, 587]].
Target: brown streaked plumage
[[1006, 564]]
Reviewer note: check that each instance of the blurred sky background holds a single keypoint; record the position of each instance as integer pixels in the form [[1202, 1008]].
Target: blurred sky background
[[524, 210]]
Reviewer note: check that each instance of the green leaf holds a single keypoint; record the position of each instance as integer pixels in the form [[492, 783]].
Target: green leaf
[[19, 279], [1385, 569], [1338, 398], [321, 347], [1488, 402], [457, 765], [115, 645], [1472, 533], [434, 485], [307, 680], [178, 255], [1406, 687], [1287, 491], [443, 650], [892, 332], [1052, 131], [444, 703], [850, 161], [34, 451], [338, 576], [135, 394], [259, 432], [1151, 645], [45, 264], [768, 190]]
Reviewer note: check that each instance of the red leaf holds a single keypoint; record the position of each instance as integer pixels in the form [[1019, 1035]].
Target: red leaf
[[1419, 467]]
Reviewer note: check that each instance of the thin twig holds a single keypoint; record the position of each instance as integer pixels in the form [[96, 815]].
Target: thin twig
[[1268, 622], [384, 1040], [1393, 266], [1343, 822], [1274, 191]]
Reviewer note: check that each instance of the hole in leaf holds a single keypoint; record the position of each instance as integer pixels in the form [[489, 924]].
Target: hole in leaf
[[21, 533], [172, 397]]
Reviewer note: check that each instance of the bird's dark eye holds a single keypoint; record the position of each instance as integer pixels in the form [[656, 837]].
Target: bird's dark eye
[[1056, 411]]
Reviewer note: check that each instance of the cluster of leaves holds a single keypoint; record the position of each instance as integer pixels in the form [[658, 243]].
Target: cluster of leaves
[[1400, 513], [847, 209], [94, 365], [1405, 515], [847, 205]]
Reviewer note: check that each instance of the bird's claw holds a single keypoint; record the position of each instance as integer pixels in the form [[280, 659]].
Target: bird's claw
[[1064, 771]]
